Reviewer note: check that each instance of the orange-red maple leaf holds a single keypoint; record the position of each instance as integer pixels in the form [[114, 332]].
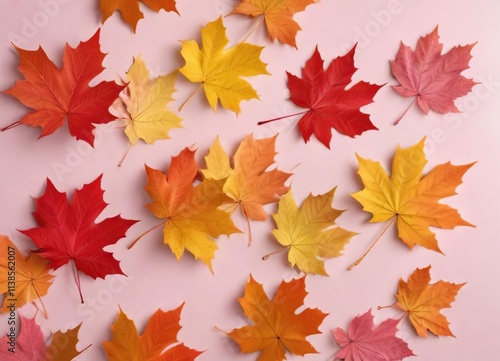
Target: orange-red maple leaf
[[130, 9], [423, 301], [191, 214], [157, 343], [60, 94], [277, 325]]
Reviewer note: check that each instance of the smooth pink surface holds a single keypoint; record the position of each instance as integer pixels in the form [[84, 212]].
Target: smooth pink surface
[[156, 280]]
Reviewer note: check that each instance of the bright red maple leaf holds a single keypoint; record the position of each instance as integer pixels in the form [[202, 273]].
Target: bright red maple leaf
[[431, 77], [364, 342], [67, 230], [56, 94], [329, 103]]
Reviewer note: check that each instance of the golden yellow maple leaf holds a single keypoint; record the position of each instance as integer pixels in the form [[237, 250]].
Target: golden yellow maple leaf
[[219, 70], [278, 15], [30, 275], [409, 198], [192, 217], [423, 301], [250, 183], [143, 105], [308, 232]]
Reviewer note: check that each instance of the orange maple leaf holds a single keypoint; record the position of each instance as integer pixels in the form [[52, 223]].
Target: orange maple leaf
[[409, 198], [423, 301], [24, 279], [250, 183], [277, 327], [160, 333], [192, 218], [130, 9], [278, 15]]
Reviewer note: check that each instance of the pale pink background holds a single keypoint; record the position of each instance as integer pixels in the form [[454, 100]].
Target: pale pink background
[[157, 280]]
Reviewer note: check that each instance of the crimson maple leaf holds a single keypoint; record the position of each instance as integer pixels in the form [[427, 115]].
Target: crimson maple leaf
[[363, 342], [329, 103], [56, 94], [431, 77], [67, 230]]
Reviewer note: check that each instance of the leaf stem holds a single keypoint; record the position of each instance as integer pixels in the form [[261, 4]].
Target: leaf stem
[[402, 115], [15, 124], [256, 26], [248, 225], [44, 310], [77, 280], [190, 96], [373, 244], [282, 117], [125, 155], [142, 235], [273, 253]]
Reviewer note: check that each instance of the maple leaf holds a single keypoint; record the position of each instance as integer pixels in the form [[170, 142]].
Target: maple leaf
[[67, 230], [363, 341], [431, 77], [423, 301], [410, 199], [250, 185], [277, 327], [143, 106], [219, 70], [278, 15], [32, 279], [308, 233], [192, 217], [56, 94], [160, 333], [130, 9], [329, 104], [29, 344]]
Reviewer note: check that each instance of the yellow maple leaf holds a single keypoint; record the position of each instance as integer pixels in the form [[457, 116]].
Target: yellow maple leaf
[[278, 15], [423, 301], [308, 232], [31, 275], [192, 217], [219, 70], [410, 199], [143, 106], [250, 183]]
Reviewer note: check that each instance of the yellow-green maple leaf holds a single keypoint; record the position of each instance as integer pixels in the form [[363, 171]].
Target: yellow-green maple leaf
[[219, 70], [144, 108], [409, 198], [308, 231]]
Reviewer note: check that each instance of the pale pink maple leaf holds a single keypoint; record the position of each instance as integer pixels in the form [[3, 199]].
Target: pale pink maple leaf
[[363, 341], [434, 79]]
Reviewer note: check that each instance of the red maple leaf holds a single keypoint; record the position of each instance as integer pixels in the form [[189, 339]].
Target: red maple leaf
[[363, 342], [67, 230], [329, 103], [431, 77], [56, 94]]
